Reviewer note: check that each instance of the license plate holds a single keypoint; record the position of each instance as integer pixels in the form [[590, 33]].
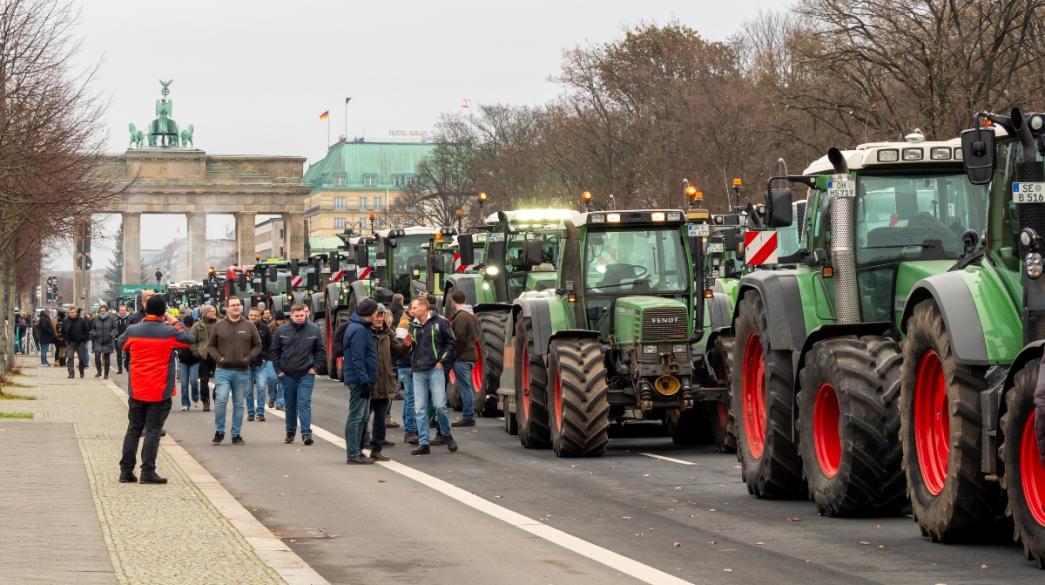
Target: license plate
[[1028, 192], [841, 186], [699, 229], [717, 248]]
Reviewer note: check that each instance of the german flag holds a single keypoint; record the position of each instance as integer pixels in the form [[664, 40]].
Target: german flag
[[325, 115]]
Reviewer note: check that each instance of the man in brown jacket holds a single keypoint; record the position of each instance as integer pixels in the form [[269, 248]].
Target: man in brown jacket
[[389, 349], [466, 332], [233, 344]]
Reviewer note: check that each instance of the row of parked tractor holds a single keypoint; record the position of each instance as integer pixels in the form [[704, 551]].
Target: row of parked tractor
[[868, 337]]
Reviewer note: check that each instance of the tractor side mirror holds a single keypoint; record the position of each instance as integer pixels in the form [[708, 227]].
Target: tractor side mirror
[[778, 208], [438, 263], [730, 240], [334, 261], [533, 252], [362, 257], [381, 267], [467, 249], [978, 155]]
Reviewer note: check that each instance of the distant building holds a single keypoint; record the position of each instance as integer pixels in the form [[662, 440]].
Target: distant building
[[356, 179], [268, 239], [173, 260]]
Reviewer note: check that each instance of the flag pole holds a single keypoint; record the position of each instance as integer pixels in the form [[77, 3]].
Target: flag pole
[[328, 131], [348, 99]]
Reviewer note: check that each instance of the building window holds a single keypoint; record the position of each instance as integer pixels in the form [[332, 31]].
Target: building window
[[411, 180], [281, 234], [339, 223], [362, 204], [340, 180], [369, 180], [340, 203], [281, 253], [377, 223], [377, 203], [362, 225]]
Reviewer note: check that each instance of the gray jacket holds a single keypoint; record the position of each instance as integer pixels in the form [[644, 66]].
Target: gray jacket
[[103, 334]]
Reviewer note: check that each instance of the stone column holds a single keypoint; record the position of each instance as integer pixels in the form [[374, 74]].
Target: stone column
[[197, 239], [132, 248], [245, 237], [294, 232]]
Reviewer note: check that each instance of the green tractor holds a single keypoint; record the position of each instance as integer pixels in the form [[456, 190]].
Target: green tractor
[[612, 337], [505, 273], [816, 368], [971, 362]]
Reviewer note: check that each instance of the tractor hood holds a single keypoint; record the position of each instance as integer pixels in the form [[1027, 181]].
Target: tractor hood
[[649, 319]]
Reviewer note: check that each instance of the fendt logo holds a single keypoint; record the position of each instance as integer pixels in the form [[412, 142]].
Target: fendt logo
[[664, 320]]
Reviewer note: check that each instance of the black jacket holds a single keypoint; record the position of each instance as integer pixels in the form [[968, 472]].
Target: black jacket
[[76, 330], [433, 343], [296, 349], [45, 330], [121, 324], [266, 342], [136, 318]]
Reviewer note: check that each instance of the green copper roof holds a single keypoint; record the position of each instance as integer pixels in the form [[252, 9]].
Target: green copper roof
[[319, 244], [347, 165]]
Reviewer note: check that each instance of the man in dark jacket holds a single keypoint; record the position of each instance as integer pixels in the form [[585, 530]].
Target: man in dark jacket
[[45, 335], [151, 386], [103, 337], [233, 343], [122, 322], [466, 334], [76, 333], [297, 349], [264, 376], [433, 345], [360, 369]]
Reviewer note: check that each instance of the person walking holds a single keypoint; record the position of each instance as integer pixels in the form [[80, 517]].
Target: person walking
[[360, 371], [139, 315], [201, 336], [297, 349], [189, 372], [466, 333], [279, 319], [122, 322], [259, 379], [388, 349], [45, 335], [59, 340], [233, 343], [432, 341], [150, 386], [103, 341], [76, 333], [396, 307]]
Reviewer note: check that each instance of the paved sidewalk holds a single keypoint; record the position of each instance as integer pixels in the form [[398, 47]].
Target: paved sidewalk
[[170, 534]]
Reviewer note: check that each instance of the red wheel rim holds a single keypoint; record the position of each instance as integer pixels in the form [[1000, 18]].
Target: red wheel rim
[[526, 382], [723, 414], [477, 371], [753, 395], [1032, 472], [558, 401], [827, 438], [932, 423]]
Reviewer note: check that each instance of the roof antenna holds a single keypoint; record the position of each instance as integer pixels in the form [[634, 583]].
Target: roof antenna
[[613, 202]]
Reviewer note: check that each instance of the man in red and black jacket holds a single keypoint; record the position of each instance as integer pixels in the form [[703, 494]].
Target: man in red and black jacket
[[152, 344]]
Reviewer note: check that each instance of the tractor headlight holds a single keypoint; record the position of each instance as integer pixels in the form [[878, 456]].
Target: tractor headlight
[[492, 270], [679, 348], [1033, 264], [653, 348], [486, 286]]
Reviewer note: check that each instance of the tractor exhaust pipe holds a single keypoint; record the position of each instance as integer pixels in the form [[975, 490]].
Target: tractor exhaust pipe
[[843, 238]]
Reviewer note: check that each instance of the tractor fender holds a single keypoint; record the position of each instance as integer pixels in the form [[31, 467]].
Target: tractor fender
[[333, 295], [492, 307], [359, 290], [466, 285], [573, 334], [720, 310], [954, 299], [538, 310], [1029, 352], [780, 293], [828, 331]]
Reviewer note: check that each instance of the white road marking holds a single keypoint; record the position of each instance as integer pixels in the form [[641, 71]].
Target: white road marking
[[618, 562], [671, 459]]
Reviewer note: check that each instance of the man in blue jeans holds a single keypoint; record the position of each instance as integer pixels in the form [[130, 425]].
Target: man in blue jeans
[[259, 378], [297, 348], [45, 335], [466, 335], [360, 368], [233, 344], [432, 342]]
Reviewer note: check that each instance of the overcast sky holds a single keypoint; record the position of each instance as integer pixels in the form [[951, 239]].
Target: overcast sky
[[253, 77]]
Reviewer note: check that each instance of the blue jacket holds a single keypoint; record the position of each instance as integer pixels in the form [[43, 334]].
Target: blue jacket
[[360, 352]]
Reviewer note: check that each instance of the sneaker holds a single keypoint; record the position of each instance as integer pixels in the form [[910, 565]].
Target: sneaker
[[438, 440], [272, 404], [391, 424], [81, 374], [422, 450], [463, 423], [218, 437], [307, 439], [71, 376], [289, 438], [238, 441], [260, 418], [98, 375], [105, 377], [185, 409], [196, 404], [380, 457], [250, 418], [127, 477], [360, 460], [279, 407], [410, 438], [451, 444]]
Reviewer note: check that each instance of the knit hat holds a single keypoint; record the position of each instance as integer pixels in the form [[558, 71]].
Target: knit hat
[[155, 306], [366, 307]]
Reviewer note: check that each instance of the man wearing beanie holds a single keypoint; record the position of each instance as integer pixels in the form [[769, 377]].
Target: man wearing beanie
[[297, 349], [152, 342], [360, 368]]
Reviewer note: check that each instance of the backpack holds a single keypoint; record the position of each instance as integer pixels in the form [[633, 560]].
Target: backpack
[[338, 341]]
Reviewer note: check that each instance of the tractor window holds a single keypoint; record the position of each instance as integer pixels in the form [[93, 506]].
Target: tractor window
[[915, 217], [636, 261], [409, 254]]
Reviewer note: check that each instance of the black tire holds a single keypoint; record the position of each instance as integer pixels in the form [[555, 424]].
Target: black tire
[[321, 323], [453, 396], [492, 326], [848, 427], [724, 436], [531, 390], [1018, 452], [580, 407], [965, 506], [771, 468]]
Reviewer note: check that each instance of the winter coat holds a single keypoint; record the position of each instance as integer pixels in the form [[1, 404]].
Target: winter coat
[[389, 348], [200, 336], [466, 332], [75, 330], [296, 349], [103, 334], [45, 330], [122, 323], [152, 342], [433, 344], [136, 318], [360, 352], [402, 323], [266, 342], [397, 311], [233, 345]]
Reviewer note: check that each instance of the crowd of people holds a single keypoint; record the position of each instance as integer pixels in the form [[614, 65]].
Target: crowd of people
[[260, 359]]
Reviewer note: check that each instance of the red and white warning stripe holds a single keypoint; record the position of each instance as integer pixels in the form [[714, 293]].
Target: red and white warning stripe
[[458, 266], [296, 281], [760, 247], [337, 276], [365, 274]]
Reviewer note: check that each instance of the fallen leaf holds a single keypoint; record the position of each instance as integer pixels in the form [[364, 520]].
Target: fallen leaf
[[285, 475], [380, 481], [498, 497], [645, 475], [795, 519], [676, 544], [625, 517], [728, 570], [712, 510], [760, 543], [864, 542], [984, 566]]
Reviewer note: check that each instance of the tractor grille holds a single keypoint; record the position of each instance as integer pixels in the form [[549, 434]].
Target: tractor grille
[[665, 324]]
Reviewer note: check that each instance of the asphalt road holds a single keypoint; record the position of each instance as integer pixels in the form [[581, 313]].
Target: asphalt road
[[691, 517]]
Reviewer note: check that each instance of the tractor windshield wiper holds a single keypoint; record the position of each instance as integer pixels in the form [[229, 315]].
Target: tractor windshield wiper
[[887, 246]]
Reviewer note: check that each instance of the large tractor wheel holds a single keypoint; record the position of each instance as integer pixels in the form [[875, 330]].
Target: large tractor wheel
[[334, 364], [486, 376], [1024, 479], [848, 427], [321, 323], [940, 431], [723, 425], [531, 390], [580, 416], [768, 457]]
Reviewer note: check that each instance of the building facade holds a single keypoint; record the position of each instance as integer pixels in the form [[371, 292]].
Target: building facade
[[269, 239], [357, 179]]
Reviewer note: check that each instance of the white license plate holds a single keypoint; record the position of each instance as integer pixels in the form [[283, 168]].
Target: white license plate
[[717, 248], [699, 229], [1028, 192]]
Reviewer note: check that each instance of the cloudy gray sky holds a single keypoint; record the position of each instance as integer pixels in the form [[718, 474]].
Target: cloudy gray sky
[[253, 76]]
